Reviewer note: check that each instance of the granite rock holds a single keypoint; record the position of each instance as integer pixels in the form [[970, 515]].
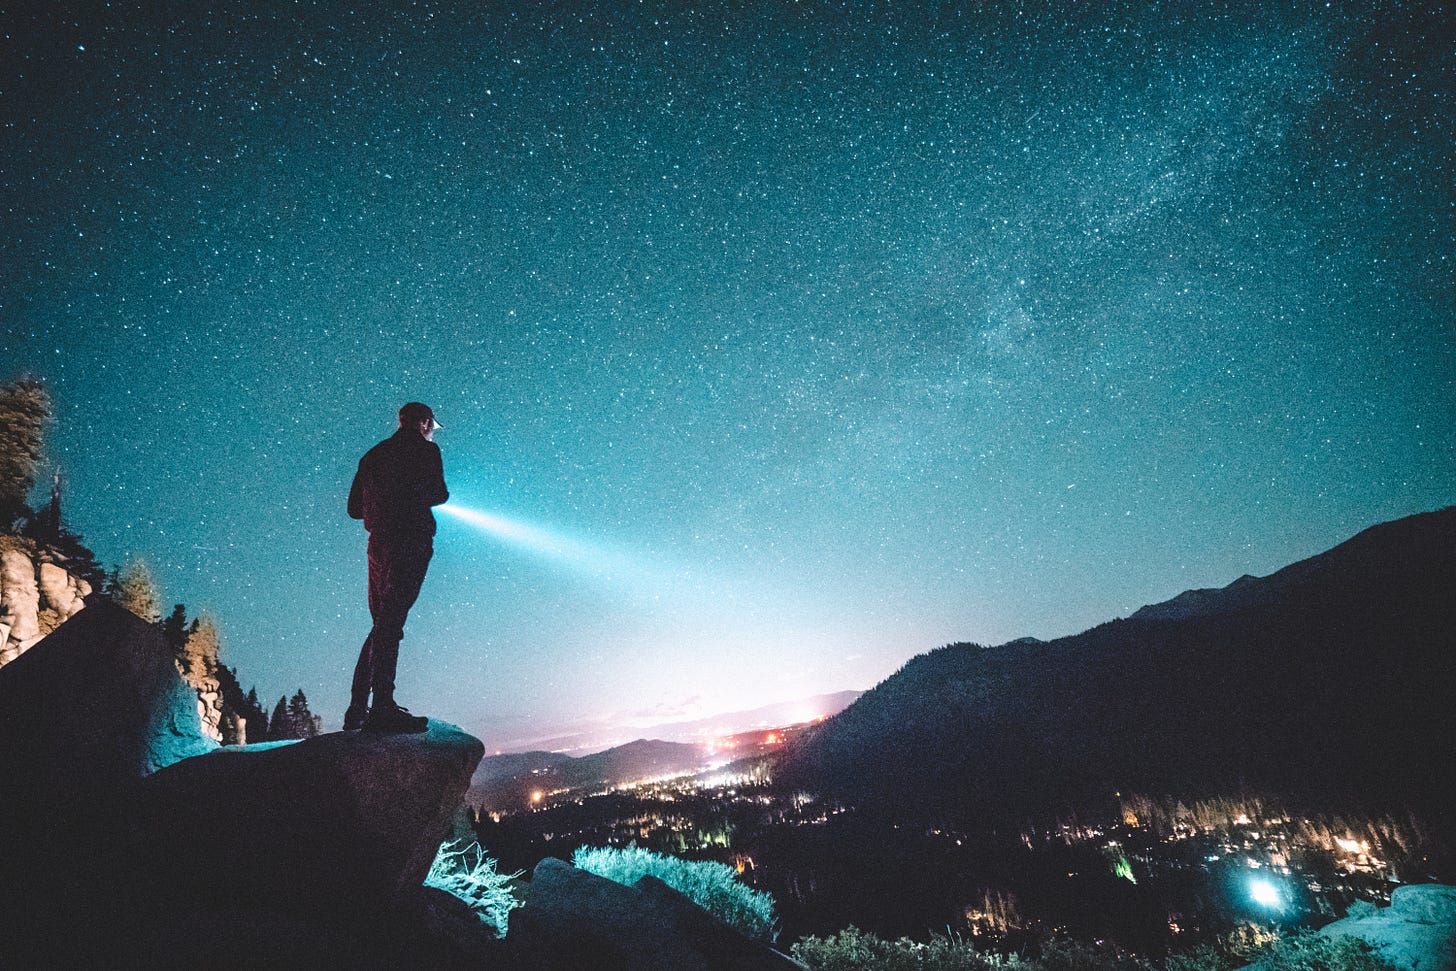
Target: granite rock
[[574, 919], [1417, 932], [37, 595], [322, 825]]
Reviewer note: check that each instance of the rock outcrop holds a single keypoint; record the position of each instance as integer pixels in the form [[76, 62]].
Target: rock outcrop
[[125, 832], [1417, 932], [127, 838], [324, 841], [312, 825], [95, 705], [574, 919], [85, 715], [37, 595]]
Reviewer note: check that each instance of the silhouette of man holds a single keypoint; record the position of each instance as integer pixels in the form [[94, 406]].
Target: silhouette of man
[[398, 481]]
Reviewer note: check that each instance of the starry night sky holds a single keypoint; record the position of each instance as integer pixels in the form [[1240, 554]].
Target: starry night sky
[[832, 332]]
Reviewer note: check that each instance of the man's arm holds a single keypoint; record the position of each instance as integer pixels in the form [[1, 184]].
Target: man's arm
[[356, 494], [435, 491]]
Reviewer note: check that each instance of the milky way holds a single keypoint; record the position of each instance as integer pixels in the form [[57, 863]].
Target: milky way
[[846, 330]]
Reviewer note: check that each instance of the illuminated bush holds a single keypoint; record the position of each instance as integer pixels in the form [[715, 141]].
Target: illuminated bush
[[470, 875], [712, 886]]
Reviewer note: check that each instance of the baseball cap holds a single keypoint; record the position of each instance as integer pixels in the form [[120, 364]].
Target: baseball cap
[[414, 411]]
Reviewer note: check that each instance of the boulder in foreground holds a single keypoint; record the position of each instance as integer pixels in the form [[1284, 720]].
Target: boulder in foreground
[[574, 919], [328, 824], [1417, 932], [96, 704]]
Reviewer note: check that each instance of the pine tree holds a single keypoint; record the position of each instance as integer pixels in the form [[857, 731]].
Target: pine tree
[[48, 521], [198, 657], [305, 722], [137, 591], [254, 710], [20, 449], [174, 630], [280, 726], [257, 718], [25, 410], [254, 726]]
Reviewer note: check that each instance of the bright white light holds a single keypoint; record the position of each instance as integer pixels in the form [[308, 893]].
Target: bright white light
[[641, 575], [520, 533], [1265, 894], [586, 557]]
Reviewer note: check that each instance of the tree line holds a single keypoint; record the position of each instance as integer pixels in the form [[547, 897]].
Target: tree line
[[25, 414]]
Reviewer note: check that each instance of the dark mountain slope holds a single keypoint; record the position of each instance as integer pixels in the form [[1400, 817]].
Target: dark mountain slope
[[1334, 678]]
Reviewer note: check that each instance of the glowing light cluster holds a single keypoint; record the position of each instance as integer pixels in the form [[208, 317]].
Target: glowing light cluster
[[1266, 894]]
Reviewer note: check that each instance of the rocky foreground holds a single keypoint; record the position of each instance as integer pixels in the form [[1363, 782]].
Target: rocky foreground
[[128, 838], [1417, 932]]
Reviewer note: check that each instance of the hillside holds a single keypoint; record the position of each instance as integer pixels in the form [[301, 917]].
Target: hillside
[[508, 781], [1333, 678]]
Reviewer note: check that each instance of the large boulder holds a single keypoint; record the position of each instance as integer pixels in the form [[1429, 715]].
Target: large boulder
[[328, 824], [574, 919], [311, 852], [19, 600], [1417, 932], [85, 715], [94, 706], [127, 837]]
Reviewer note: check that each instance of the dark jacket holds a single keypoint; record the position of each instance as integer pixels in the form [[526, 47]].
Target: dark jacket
[[398, 481]]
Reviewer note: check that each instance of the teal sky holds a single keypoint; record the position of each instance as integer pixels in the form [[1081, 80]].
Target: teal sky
[[833, 331]]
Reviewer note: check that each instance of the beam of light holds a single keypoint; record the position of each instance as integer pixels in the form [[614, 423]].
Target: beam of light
[[652, 581], [514, 531], [585, 557]]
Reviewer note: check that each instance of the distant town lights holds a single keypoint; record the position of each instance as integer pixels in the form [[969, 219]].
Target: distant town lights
[[1265, 894]]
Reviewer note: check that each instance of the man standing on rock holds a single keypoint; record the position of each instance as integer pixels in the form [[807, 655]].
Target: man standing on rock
[[398, 481]]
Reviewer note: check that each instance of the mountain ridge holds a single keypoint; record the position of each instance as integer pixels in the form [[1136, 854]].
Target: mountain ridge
[[1249, 589], [696, 730], [1331, 677]]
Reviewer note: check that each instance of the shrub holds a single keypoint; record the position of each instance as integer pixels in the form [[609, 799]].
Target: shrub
[[1266, 950], [1066, 954], [1233, 950], [1204, 957], [1308, 951], [712, 886], [470, 875], [856, 950]]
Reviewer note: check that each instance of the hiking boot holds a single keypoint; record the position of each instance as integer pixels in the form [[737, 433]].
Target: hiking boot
[[395, 720], [354, 718]]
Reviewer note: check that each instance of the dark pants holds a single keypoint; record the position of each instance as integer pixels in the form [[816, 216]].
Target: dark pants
[[397, 565]]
